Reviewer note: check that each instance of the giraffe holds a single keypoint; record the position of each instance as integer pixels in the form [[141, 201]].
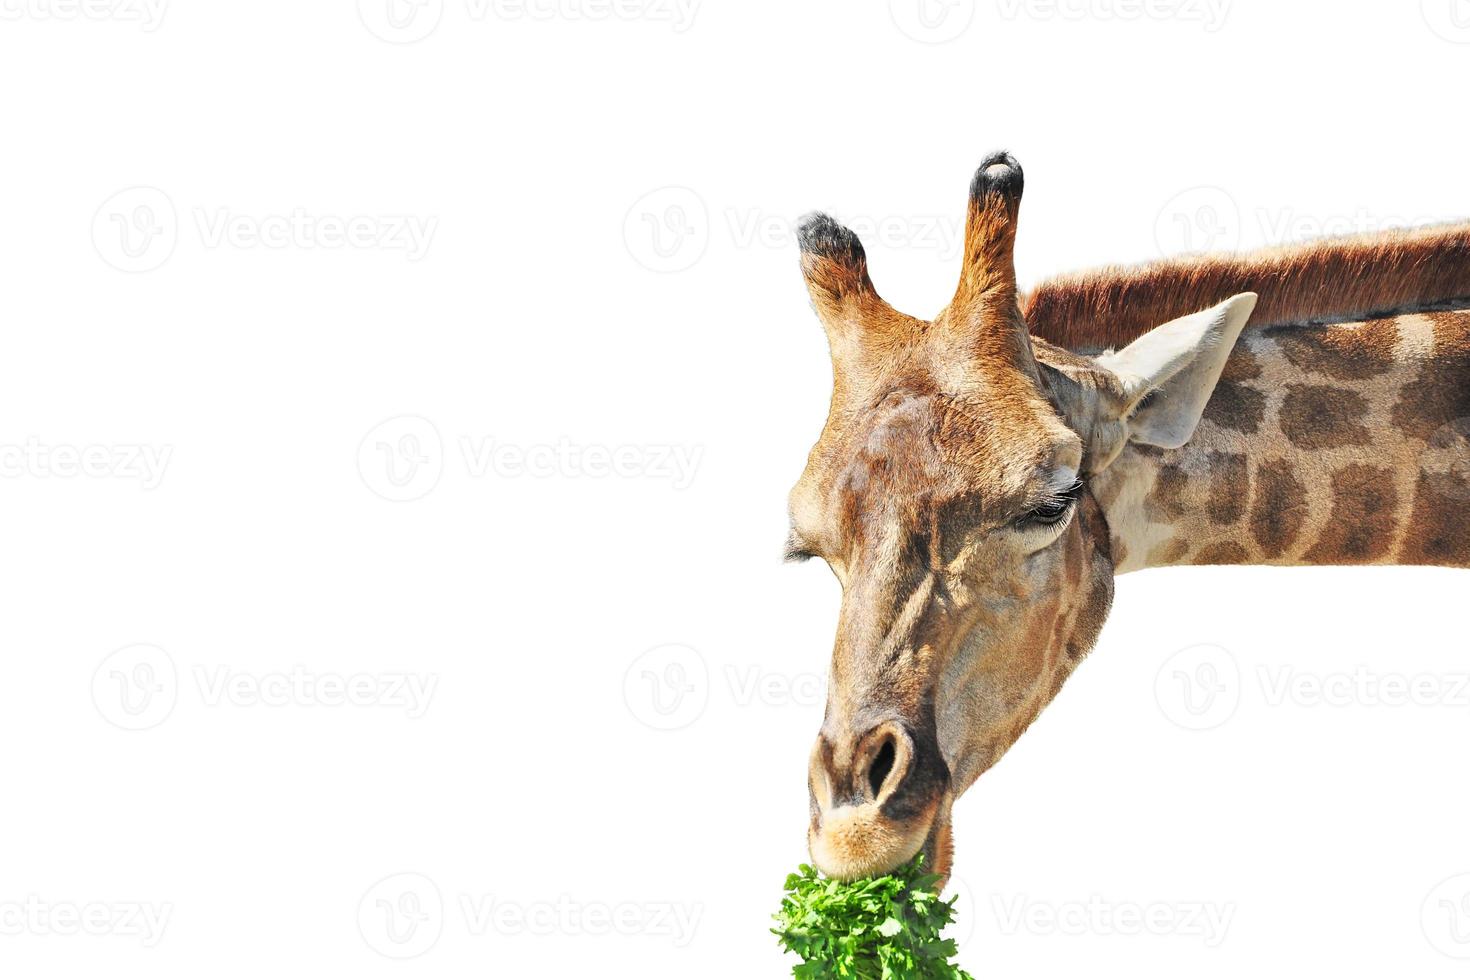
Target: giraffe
[[983, 476]]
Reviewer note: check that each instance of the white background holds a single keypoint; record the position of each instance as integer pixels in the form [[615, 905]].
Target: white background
[[178, 187]]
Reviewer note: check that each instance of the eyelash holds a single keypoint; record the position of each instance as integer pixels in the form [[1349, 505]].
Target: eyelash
[[796, 553], [1054, 511]]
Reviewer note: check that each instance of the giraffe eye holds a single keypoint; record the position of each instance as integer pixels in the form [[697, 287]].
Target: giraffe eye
[[797, 554], [1053, 511], [796, 550]]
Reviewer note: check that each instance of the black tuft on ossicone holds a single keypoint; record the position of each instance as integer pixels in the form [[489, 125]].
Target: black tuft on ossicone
[[817, 234], [1000, 174]]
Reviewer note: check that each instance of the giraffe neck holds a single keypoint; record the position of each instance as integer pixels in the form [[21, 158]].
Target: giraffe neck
[[1324, 444]]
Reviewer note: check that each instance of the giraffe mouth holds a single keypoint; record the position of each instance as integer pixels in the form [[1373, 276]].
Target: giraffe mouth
[[879, 798], [938, 849]]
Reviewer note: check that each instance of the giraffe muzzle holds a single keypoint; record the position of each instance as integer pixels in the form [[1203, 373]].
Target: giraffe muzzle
[[880, 795]]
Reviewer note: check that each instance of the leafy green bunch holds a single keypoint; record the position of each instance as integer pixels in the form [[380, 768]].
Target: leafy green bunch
[[872, 929]]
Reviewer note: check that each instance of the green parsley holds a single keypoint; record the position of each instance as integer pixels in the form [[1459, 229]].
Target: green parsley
[[872, 929]]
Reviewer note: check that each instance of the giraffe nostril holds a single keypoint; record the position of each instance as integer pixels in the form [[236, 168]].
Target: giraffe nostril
[[882, 766]]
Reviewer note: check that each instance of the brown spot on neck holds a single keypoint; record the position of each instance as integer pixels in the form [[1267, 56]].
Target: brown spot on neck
[[1361, 527], [1441, 393], [1319, 417], [1280, 508], [1222, 553], [1438, 533], [1353, 352]]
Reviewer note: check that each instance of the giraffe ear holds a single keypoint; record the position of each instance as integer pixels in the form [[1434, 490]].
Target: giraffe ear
[[1170, 372]]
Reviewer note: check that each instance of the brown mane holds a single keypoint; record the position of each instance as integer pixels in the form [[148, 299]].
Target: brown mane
[[1330, 279]]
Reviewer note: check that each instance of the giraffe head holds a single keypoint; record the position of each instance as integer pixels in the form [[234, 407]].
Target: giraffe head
[[948, 492]]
